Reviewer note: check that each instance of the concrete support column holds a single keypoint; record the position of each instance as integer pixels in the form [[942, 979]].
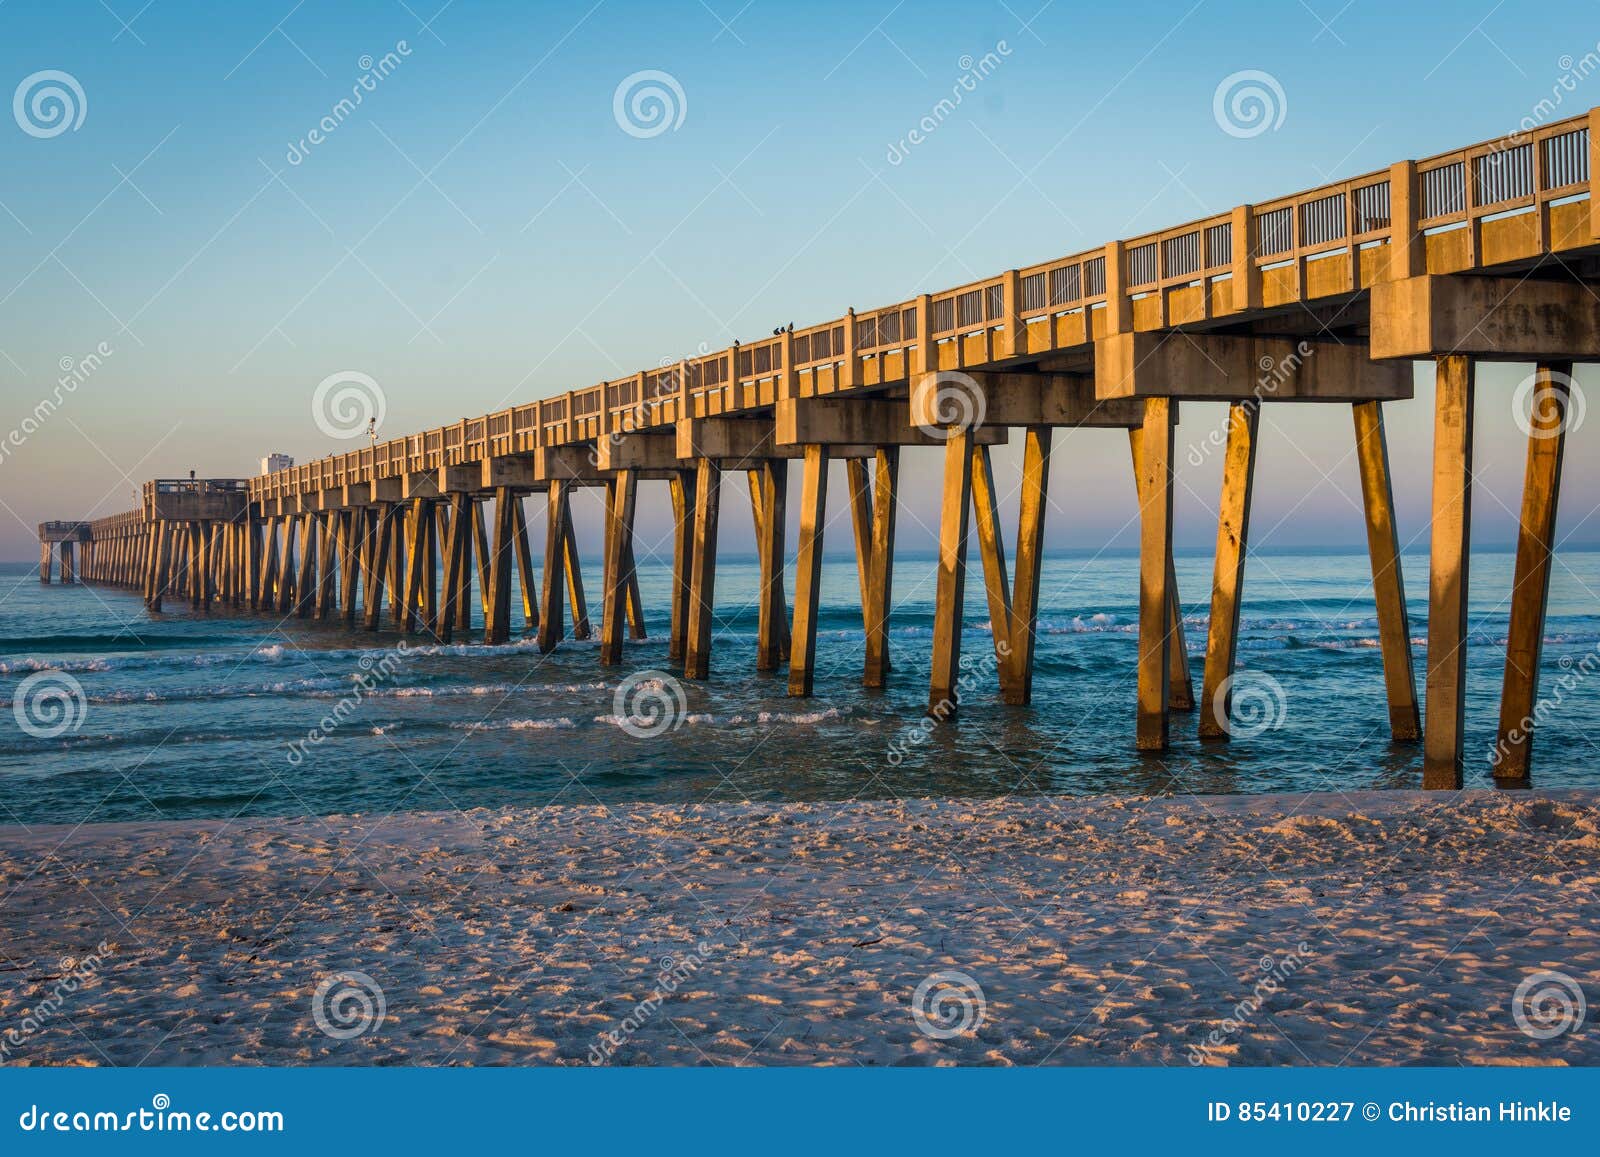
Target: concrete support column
[[552, 623], [575, 593], [377, 564], [950, 596], [525, 580], [1447, 584], [1530, 586], [769, 491], [1227, 577], [996, 578], [683, 506], [1155, 570], [1180, 691], [880, 587], [497, 621], [1388, 584], [1030, 553], [808, 573], [621, 496], [703, 571]]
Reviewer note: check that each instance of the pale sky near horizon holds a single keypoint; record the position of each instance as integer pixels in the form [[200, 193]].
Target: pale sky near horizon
[[482, 229]]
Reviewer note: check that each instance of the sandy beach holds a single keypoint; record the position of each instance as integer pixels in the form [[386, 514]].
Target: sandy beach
[[1369, 928]]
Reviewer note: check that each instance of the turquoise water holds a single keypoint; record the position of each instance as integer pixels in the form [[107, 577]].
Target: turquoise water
[[186, 715]]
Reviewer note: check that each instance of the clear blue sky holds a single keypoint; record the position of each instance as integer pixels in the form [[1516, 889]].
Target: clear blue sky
[[481, 229]]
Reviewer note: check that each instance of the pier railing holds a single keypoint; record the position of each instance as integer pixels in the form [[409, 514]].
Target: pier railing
[[1329, 239]]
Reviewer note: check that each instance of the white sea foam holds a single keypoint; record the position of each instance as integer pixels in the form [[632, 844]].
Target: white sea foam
[[515, 725], [702, 718]]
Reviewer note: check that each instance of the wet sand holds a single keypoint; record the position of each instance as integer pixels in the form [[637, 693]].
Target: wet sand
[[1333, 929]]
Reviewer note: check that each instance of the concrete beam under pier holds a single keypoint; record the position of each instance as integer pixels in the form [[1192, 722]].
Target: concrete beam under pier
[[860, 422], [573, 463], [745, 443], [1021, 398], [638, 451], [513, 470], [1485, 317], [1229, 367], [742, 439]]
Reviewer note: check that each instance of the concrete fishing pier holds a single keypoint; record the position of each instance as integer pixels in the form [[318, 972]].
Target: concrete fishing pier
[[1327, 296]]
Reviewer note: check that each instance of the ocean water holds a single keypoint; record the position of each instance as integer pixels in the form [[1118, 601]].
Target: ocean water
[[222, 714]]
